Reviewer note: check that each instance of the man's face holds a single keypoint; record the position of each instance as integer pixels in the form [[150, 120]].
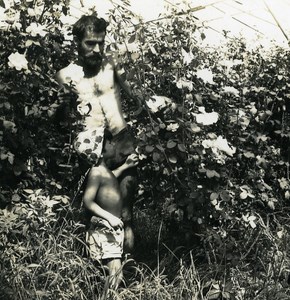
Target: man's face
[[91, 48]]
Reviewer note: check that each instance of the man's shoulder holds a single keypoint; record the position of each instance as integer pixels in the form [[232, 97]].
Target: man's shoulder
[[112, 60], [72, 72]]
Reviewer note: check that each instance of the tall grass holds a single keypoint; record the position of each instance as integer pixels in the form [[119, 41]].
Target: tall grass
[[47, 260]]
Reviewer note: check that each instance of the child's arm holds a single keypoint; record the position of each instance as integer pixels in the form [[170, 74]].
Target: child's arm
[[89, 200], [131, 161]]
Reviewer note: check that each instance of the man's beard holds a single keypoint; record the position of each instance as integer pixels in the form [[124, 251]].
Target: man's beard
[[92, 61]]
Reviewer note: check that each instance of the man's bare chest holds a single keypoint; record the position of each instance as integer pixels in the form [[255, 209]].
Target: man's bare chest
[[100, 84]]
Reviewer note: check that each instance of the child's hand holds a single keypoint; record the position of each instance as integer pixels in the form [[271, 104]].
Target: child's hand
[[132, 160], [116, 222]]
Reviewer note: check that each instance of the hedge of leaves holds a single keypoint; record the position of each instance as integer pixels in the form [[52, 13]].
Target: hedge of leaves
[[213, 141], [213, 134]]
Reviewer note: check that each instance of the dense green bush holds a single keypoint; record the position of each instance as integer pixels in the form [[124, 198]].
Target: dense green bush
[[213, 142]]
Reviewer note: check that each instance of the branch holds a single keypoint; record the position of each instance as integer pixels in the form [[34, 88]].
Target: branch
[[276, 20]]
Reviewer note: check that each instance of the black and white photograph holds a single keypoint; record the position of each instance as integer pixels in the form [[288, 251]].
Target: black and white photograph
[[144, 150]]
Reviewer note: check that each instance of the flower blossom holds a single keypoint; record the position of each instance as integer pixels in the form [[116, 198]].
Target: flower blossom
[[206, 75], [205, 118], [219, 144], [156, 103], [17, 61], [9, 19], [184, 83], [172, 127], [35, 29], [187, 56]]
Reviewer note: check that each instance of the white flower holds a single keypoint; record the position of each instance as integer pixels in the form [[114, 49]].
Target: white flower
[[67, 20], [155, 103], [187, 56], [10, 16], [9, 19], [205, 118], [220, 144], [17, 61], [37, 9], [184, 83], [172, 127], [206, 75], [35, 29]]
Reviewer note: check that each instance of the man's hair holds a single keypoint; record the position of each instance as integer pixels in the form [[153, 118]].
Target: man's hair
[[97, 25]]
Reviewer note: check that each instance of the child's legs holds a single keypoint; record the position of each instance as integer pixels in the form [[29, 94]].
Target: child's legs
[[115, 271]]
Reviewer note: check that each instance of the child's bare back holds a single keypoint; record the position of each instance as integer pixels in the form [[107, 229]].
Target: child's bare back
[[108, 195]]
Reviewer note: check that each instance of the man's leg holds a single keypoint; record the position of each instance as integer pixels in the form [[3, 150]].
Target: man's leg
[[124, 145], [128, 182]]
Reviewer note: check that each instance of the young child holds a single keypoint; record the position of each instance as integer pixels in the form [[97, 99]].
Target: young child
[[102, 198]]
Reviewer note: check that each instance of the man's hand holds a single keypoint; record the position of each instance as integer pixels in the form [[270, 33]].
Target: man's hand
[[67, 93], [116, 222]]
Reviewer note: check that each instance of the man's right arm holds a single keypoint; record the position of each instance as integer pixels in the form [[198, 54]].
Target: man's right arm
[[65, 97]]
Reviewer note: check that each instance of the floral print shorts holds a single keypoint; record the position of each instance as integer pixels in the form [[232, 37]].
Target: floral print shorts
[[89, 144]]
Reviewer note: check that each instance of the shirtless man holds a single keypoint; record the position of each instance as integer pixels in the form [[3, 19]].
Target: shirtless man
[[102, 198], [96, 81]]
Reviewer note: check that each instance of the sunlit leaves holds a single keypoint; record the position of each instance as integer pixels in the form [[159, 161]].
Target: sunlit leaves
[[212, 173], [171, 144], [173, 159], [7, 155], [230, 90]]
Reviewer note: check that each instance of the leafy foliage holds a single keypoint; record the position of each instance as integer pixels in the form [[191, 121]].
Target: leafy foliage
[[213, 142]]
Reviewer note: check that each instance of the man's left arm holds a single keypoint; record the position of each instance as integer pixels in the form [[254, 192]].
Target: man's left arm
[[120, 78]]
